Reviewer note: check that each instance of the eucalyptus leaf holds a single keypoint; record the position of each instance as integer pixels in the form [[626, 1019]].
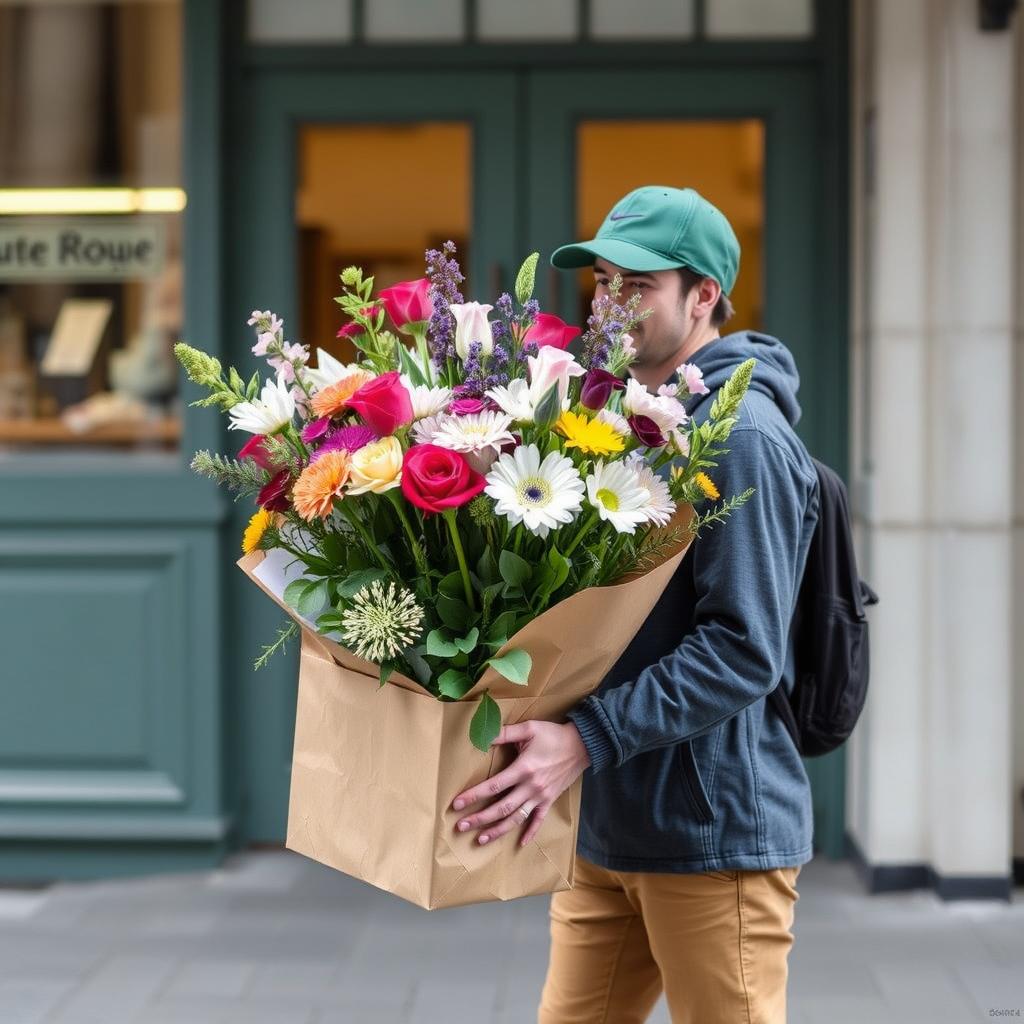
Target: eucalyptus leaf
[[486, 723], [313, 598], [294, 591], [514, 665], [438, 646], [454, 684], [454, 614], [467, 643]]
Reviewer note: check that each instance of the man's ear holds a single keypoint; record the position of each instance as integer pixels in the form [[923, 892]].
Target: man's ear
[[708, 293]]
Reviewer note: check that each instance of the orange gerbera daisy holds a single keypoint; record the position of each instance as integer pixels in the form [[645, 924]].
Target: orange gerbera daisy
[[333, 399], [319, 484]]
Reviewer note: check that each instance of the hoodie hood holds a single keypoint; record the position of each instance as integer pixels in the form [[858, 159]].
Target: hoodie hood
[[775, 373]]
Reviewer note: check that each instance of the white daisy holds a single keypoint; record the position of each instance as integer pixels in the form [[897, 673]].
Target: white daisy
[[667, 412], [660, 507], [541, 495], [478, 436], [617, 496], [424, 430], [328, 370], [514, 400], [426, 400], [268, 414]]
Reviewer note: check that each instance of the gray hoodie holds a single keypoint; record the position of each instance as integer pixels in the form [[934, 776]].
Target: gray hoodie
[[692, 770]]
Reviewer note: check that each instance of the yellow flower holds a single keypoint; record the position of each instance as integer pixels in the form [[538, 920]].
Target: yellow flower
[[258, 526], [377, 467], [705, 483], [593, 437], [319, 484]]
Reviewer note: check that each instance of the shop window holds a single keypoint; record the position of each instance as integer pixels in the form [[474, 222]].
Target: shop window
[[90, 224]]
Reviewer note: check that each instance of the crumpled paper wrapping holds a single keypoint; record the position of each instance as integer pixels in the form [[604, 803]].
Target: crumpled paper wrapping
[[375, 769]]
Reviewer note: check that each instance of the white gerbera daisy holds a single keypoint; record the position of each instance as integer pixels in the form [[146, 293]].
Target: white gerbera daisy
[[328, 370], [382, 623], [541, 495], [268, 414], [617, 496], [514, 400], [666, 411], [426, 400], [660, 507], [478, 436]]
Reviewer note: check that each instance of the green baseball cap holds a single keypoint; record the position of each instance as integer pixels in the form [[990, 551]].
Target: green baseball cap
[[659, 228]]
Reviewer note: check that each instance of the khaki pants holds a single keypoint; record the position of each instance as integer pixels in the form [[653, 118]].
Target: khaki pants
[[716, 942]]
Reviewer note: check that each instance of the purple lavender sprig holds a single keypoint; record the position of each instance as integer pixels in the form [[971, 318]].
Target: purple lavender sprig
[[607, 323], [445, 276]]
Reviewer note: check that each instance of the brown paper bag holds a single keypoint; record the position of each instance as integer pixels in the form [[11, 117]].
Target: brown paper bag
[[375, 769]]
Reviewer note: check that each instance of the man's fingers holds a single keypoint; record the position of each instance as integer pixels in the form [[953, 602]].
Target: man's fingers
[[507, 807], [538, 816]]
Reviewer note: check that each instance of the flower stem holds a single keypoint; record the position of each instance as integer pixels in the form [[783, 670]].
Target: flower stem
[[342, 506], [584, 530], [449, 518], [395, 497]]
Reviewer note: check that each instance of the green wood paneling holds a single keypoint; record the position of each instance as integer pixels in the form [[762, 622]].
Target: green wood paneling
[[111, 737]]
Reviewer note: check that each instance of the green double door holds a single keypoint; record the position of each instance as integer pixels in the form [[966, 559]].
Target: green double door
[[538, 158]]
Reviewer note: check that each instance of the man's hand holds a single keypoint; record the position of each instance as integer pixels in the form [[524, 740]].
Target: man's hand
[[551, 757]]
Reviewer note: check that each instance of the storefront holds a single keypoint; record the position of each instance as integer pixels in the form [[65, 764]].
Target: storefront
[[196, 161]]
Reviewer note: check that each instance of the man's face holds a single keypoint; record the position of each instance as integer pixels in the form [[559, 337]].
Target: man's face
[[671, 319]]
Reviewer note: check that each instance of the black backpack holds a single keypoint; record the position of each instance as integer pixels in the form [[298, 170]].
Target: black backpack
[[830, 632]]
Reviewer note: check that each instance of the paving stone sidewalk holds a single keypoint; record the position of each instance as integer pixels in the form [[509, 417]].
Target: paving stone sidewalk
[[272, 938]]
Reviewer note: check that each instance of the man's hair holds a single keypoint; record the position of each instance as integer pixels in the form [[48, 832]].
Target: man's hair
[[723, 308]]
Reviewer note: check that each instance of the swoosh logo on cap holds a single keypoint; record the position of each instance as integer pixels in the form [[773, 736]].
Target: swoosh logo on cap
[[623, 216]]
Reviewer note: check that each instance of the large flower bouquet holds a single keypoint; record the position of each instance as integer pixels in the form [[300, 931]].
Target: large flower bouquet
[[464, 474]]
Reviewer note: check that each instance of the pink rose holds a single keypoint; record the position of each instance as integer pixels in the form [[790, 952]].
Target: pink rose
[[408, 303], [383, 403], [549, 329], [436, 478]]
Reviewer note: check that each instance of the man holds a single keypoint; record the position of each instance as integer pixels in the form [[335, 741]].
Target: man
[[696, 810]]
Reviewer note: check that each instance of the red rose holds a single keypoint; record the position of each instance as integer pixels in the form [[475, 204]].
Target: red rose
[[549, 329], [384, 403], [436, 478], [273, 495], [408, 303], [255, 448]]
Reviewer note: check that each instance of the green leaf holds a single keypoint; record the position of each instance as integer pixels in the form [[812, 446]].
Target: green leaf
[[515, 571], [454, 614], [526, 277], [410, 366], [487, 568], [454, 684], [467, 643], [355, 582], [329, 622], [252, 389], [486, 723], [514, 665], [294, 591], [420, 666], [386, 668], [452, 586], [501, 628], [438, 646], [313, 598]]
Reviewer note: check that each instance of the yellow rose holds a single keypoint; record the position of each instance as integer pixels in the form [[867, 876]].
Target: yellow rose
[[376, 467]]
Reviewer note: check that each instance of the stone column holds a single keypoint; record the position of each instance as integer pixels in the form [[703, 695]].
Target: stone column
[[935, 202]]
